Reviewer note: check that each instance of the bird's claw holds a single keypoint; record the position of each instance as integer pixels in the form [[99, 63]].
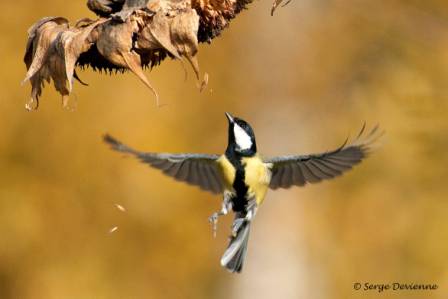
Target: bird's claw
[[213, 219]]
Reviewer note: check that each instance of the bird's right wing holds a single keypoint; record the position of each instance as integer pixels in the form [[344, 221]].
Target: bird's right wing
[[195, 169], [288, 171]]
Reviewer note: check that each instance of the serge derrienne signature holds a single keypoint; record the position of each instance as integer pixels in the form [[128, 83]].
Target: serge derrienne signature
[[395, 286]]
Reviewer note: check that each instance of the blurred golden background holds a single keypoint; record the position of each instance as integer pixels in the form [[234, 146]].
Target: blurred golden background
[[304, 79]]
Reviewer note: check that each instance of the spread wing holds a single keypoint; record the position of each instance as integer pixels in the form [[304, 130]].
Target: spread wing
[[195, 169], [290, 171]]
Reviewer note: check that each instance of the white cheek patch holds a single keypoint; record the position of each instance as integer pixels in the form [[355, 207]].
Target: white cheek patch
[[242, 139]]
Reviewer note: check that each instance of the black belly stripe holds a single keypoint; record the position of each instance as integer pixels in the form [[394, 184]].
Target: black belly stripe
[[239, 201]]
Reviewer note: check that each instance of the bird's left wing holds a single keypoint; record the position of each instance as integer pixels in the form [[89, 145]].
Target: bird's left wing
[[195, 169], [288, 171]]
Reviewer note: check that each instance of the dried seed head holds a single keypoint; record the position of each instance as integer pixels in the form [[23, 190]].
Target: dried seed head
[[129, 35]]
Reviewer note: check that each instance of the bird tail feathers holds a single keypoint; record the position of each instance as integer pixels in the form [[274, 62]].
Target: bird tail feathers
[[233, 257]]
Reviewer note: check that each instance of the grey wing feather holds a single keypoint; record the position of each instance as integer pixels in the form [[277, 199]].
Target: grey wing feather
[[288, 171], [195, 169]]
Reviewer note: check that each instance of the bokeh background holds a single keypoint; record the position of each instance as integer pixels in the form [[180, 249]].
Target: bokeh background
[[305, 79]]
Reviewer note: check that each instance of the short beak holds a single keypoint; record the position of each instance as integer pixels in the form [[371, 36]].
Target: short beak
[[229, 117]]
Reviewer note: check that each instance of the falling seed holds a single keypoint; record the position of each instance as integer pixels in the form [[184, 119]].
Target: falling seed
[[120, 207], [113, 229]]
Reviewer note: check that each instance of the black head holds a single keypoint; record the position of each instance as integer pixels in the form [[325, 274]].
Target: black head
[[241, 137]]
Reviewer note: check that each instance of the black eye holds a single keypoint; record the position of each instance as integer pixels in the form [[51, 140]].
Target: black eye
[[242, 124]]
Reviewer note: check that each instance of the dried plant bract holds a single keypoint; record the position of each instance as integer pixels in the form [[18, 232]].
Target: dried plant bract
[[128, 35]]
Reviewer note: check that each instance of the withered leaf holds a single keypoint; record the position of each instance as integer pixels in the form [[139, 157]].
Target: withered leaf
[[71, 43], [184, 32], [157, 35], [204, 83], [39, 54], [276, 3], [115, 43]]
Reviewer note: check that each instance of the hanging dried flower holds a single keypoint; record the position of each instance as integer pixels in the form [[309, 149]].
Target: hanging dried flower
[[128, 35]]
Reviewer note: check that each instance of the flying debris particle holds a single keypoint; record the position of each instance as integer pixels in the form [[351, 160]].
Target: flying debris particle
[[120, 207]]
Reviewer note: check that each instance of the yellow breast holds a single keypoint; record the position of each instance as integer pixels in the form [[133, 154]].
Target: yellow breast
[[227, 172], [257, 177]]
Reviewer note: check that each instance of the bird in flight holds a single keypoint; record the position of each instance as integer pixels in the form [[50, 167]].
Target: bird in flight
[[244, 177]]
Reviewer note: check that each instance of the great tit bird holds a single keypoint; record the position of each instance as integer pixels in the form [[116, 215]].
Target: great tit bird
[[244, 177]]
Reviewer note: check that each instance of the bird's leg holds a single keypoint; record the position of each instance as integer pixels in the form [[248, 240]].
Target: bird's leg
[[226, 207], [251, 209]]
